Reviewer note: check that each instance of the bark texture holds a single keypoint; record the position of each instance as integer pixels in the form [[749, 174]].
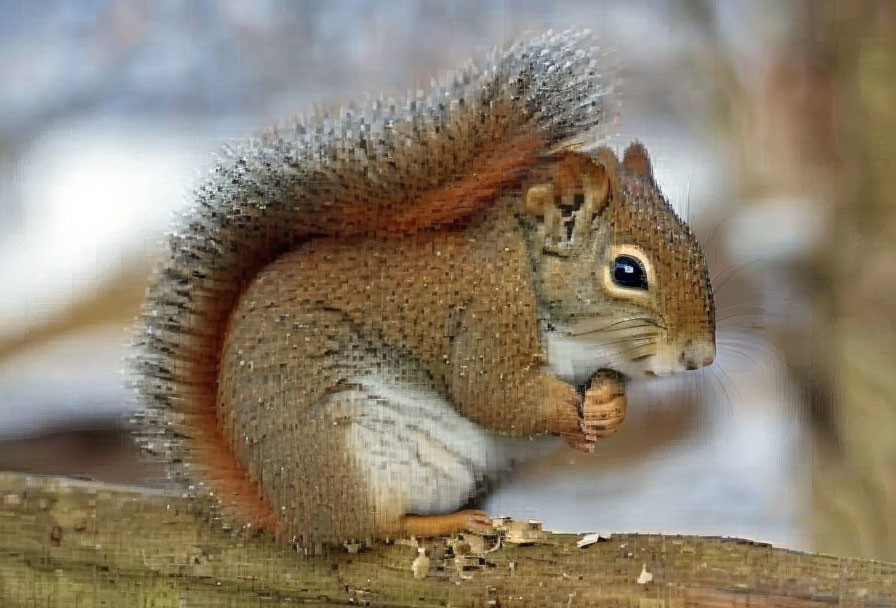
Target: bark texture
[[75, 543]]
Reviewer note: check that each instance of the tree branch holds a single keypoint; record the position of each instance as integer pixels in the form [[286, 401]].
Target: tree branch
[[73, 543]]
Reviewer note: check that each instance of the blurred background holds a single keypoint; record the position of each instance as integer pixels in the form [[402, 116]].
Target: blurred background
[[771, 127]]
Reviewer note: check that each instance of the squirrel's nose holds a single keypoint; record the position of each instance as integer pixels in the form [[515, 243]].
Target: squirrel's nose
[[696, 354]]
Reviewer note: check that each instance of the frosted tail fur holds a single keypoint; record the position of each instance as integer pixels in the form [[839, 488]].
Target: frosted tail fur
[[392, 167]]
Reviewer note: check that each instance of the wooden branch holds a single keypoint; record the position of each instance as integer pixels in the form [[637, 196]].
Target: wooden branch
[[73, 543]]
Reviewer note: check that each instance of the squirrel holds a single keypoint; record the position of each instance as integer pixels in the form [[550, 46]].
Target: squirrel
[[359, 311]]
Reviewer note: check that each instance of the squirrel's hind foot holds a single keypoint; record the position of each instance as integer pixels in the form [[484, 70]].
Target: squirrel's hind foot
[[427, 526]]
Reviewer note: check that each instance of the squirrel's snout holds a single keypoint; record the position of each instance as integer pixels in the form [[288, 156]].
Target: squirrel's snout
[[697, 354], [672, 358]]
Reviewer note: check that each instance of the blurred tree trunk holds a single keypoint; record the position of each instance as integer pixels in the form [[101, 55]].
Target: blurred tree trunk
[[815, 120], [849, 51]]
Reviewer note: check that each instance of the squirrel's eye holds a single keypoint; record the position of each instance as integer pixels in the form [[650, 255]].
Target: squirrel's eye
[[628, 272]]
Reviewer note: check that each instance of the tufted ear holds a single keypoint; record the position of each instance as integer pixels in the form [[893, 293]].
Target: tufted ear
[[575, 179], [637, 161], [578, 189]]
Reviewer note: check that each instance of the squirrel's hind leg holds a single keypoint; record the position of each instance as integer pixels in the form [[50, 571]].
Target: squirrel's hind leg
[[379, 452], [417, 453]]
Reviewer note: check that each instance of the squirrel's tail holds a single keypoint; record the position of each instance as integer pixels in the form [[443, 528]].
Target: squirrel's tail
[[391, 168]]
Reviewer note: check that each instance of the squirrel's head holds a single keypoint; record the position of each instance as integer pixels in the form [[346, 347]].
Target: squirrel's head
[[623, 283]]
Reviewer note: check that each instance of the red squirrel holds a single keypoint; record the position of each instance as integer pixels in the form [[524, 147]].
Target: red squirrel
[[362, 311]]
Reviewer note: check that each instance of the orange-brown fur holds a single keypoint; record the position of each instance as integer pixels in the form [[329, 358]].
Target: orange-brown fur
[[210, 451], [461, 303]]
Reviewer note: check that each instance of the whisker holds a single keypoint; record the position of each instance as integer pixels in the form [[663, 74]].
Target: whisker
[[615, 330], [629, 352], [758, 309], [742, 316], [647, 338], [726, 346], [736, 306], [640, 343], [732, 272], [715, 375], [743, 340], [737, 392], [765, 296], [730, 350], [727, 338], [744, 328], [645, 323], [742, 335]]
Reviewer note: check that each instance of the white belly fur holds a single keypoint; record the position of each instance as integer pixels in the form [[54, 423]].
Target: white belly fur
[[417, 452]]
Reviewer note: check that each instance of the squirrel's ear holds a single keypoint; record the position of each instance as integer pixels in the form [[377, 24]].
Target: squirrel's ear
[[637, 161], [578, 189], [538, 199], [597, 181], [574, 173]]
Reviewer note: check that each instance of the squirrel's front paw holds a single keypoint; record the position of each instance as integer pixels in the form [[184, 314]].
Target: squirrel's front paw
[[603, 410]]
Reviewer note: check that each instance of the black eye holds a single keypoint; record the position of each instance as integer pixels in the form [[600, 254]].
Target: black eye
[[628, 272]]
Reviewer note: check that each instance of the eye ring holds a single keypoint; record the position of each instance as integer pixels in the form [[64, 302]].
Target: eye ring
[[628, 271]]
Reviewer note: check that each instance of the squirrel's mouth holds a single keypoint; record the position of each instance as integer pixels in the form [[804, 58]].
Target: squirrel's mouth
[[675, 357], [632, 346], [576, 352]]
